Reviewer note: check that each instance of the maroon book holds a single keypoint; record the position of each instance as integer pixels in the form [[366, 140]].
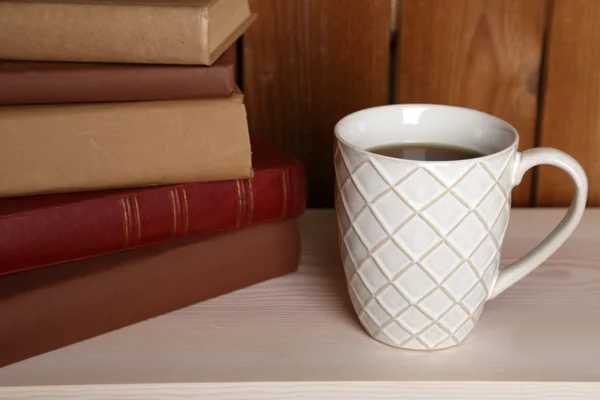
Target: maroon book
[[48, 308], [31, 82], [37, 231]]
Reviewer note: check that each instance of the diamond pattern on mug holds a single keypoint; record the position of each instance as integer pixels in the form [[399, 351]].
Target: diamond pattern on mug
[[477, 313], [392, 301], [484, 254], [434, 335], [450, 173], [440, 262], [475, 298], [465, 329], [414, 344], [420, 188], [341, 172], [370, 325], [361, 291], [474, 185], [391, 210], [377, 314], [396, 334], [436, 304], [352, 198], [496, 165], [349, 267], [392, 170], [417, 237], [421, 244], [461, 281], [491, 205], [469, 233], [356, 249], [489, 275], [505, 180], [450, 342], [352, 159], [342, 216], [413, 320], [369, 229], [372, 276], [391, 259], [499, 228], [414, 284], [454, 318], [369, 182], [446, 212]]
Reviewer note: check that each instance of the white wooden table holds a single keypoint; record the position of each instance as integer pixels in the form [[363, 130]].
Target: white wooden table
[[297, 337]]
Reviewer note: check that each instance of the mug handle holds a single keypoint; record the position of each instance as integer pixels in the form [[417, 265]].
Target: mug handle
[[524, 161]]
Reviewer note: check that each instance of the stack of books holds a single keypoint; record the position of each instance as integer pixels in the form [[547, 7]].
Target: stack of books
[[130, 185]]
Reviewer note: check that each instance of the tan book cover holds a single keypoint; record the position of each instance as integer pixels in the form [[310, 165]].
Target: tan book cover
[[122, 31], [81, 147]]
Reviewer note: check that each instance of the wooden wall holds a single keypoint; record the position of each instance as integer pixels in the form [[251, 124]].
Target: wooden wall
[[535, 63]]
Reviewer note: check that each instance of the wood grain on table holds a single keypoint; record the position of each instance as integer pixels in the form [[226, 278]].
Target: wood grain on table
[[481, 54], [297, 337], [308, 63], [571, 102]]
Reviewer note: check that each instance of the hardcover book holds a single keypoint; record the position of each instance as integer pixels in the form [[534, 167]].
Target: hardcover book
[[121, 31], [38, 82], [37, 231], [48, 308], [97, 146]]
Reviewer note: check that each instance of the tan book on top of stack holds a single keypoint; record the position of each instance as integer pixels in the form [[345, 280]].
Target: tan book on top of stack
[[122, 31]]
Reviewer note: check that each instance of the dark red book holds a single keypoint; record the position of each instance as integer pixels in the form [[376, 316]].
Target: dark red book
[[32, 82], [48, 308], [37, 231]]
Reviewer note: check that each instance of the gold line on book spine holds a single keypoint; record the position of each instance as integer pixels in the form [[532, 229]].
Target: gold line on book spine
[[125, 222], [251, 201], [139, 220], [174, 214], [244, 213], [239, 196], [185, 205]]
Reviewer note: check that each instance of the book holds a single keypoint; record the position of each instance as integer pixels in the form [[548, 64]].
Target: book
[[42, 82], [45, 309], [38, 231], [97, 146], [121, 31]]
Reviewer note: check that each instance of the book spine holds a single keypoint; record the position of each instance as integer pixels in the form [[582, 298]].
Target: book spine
[[111, 224], [97, 146], [50, 83], [102, 32]]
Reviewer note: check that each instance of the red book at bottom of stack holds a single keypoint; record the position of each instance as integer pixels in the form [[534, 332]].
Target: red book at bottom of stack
[[48, 308], [39, 231]]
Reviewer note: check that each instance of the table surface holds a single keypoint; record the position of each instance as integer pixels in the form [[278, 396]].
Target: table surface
[[298, 336]]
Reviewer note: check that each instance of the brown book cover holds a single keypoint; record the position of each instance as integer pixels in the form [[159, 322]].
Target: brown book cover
[[45, 309], [39, 82], [95, 146], [121, 31]]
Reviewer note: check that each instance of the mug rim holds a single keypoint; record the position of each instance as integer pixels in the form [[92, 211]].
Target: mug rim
[[513, 146]]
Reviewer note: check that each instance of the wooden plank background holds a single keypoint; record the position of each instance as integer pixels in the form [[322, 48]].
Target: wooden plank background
[[571, 112], [307, 63]]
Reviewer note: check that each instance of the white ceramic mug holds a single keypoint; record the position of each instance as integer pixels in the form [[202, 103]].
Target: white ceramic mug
[[420, 240]]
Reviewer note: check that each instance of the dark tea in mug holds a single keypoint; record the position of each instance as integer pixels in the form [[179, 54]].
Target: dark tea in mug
[[426, 152]]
